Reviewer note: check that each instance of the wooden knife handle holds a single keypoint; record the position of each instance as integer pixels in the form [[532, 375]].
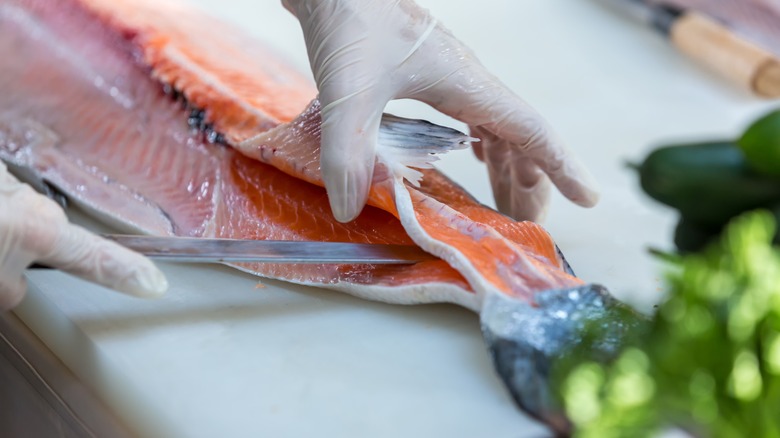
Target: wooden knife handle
[[716, 46]]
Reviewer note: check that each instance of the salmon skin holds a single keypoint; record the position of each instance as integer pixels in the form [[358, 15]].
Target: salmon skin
[[156, 118]]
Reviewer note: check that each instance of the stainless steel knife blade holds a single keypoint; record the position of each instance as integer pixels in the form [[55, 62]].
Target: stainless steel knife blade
[[203, 250], [636, 9], [660, 17]]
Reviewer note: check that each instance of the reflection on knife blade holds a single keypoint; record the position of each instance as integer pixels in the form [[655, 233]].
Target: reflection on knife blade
[[202, 250]]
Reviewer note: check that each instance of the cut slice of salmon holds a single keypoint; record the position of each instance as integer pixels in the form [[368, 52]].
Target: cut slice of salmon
[[138, 109], [439, 216]]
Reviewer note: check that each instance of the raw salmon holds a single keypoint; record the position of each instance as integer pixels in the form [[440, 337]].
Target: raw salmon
[[159, 119]]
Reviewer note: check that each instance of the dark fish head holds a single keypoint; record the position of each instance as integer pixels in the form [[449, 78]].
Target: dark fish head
[[525, 341]]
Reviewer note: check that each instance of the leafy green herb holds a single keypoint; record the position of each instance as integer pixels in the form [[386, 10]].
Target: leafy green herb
[[709, 361]]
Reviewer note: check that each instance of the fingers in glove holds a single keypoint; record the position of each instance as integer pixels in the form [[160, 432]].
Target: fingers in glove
[[86, 255], [530, 192], [350, 129], [12, 290], [477, 146], [520, 188], [474, 96], [14, 257], [35, 228], [535, 142]]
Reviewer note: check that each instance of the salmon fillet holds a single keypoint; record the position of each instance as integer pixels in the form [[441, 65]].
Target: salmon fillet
[[235, 152], [159, 119]]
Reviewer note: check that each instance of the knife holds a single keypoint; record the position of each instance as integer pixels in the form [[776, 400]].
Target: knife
[[711, 43], [202, 250]]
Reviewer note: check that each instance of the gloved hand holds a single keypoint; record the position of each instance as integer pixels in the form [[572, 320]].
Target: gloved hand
[[34, 228], [364, 53]]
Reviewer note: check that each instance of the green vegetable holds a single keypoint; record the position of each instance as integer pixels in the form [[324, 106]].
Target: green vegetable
[[761, 144], [709, 183], [709, 362], [691, 236]]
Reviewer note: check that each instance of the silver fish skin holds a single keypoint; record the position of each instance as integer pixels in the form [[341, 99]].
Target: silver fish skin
[[526, 341]]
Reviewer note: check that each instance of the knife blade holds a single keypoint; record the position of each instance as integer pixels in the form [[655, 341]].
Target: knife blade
[[204, 250], [659, 17]]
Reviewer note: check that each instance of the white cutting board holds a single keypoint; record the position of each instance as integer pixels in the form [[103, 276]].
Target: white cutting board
[[219, 357]]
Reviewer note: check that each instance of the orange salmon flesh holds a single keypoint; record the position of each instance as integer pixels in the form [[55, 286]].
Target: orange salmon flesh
[[159, 119]]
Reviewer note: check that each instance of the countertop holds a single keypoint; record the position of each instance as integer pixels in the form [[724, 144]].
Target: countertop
[[220, 355]]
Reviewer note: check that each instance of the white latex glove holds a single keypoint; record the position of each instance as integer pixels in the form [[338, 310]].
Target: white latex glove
[[364, 53], [33, 228]]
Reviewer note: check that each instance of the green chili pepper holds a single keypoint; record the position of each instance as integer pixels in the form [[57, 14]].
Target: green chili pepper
[[709, 183]]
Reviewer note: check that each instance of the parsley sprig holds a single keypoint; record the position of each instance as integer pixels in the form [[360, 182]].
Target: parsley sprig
[[709, 360]]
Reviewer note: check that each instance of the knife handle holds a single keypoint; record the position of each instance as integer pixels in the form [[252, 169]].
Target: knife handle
[[719, 48]]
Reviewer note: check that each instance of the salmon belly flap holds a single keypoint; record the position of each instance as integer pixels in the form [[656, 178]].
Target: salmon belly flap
[[156, 118]]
